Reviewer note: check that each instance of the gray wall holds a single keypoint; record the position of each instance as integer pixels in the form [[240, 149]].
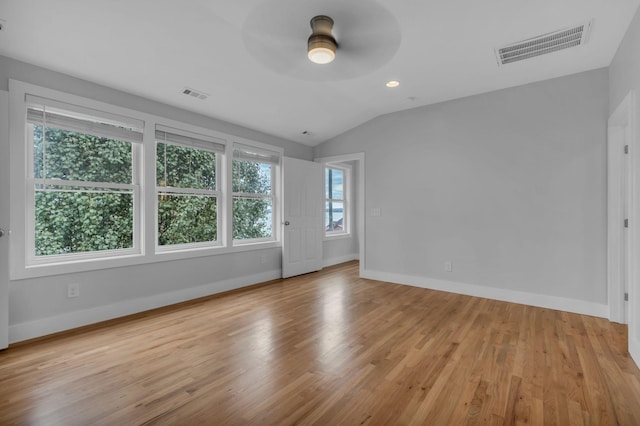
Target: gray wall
[[36, 299], [624, 71], [508, 185]]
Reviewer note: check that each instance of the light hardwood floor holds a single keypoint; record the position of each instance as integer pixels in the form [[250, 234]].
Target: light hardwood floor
[[328, 348]]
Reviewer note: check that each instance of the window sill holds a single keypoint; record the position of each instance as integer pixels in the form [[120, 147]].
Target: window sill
[[337, 237]]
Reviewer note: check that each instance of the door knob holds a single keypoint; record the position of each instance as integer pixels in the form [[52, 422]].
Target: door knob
[[286, 223], [2, 232]]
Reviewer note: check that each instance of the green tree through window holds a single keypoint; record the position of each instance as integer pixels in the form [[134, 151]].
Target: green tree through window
[[252, 200], [71, 216], [187, 196]]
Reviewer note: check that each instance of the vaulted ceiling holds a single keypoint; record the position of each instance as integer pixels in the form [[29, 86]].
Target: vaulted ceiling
[[249, 56]]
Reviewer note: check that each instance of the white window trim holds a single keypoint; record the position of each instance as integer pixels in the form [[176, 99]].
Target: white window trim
[[23, 262], [347, 202], [30, 258], [146, 252]]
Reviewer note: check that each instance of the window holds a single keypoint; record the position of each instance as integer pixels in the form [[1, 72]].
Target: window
[[82, 194], [187, 187], [336, 184], [253, 193], [99, 186]]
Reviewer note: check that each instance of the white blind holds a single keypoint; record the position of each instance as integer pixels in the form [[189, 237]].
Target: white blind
[[189, 139], [75, 118], [259, 155]]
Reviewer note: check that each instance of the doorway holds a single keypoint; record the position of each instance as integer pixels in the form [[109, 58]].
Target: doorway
[[357, 160]]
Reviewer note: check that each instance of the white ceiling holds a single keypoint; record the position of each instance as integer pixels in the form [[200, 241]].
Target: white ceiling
[[250, 55]]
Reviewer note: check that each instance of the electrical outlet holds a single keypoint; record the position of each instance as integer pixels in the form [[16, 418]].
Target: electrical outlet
[[448, 266], [73, 290], [263, 259]]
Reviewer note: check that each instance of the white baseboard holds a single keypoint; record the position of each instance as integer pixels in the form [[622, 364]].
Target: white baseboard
[[68, 321], [338, 260], [533, 299]]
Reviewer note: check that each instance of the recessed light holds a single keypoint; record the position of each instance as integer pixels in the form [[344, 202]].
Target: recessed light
[[393, 83]]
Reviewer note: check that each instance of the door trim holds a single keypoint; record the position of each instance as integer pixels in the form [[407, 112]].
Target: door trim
[[618, 136], [622, 131], [4, 218], [360, 195]]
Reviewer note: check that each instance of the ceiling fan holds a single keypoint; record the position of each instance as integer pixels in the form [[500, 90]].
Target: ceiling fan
[[351, 39]]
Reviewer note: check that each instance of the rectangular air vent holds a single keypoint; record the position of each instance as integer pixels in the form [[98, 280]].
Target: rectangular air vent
[[543, 44], [195, 93]]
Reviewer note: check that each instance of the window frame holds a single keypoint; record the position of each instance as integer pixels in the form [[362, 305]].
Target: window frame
[[217, 193], [346, 201], [146, 251], [30, 217], [274, 196], [30, 258]]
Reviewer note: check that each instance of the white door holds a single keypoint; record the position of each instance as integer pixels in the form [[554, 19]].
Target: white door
[[302, 217], [4, 219]]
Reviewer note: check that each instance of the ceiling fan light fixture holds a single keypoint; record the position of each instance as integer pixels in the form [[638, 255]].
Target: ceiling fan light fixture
[[321, 46], [320, 54]]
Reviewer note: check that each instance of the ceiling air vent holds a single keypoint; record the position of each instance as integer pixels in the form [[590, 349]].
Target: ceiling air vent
[[195, 93], [543, 44]]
